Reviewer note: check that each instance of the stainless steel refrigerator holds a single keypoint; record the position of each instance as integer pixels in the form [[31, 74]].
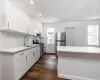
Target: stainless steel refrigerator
[[60, 39]]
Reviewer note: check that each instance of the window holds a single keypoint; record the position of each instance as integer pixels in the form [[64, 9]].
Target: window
[[92, 34], [50, 36]]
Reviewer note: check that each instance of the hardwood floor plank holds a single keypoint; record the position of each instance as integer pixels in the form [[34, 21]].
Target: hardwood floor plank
[[44, 69]]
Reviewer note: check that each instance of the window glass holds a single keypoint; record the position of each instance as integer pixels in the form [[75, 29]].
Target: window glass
[[50, 36], [92, 34]]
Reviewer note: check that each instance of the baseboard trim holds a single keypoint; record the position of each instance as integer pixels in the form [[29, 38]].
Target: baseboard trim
[[73, 77]]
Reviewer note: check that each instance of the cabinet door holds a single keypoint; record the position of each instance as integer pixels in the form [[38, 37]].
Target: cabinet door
[[16, 19], [31, 27], [30, 59], [37, 53], [20, 67], [40, 28]]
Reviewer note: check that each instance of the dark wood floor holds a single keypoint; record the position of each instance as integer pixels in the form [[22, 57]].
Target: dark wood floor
[[44, 69]]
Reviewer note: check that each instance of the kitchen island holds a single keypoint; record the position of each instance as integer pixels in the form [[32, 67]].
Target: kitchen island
[[78, 63]]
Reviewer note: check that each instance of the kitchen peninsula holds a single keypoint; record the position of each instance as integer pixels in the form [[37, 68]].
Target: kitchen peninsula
[[78, 63]]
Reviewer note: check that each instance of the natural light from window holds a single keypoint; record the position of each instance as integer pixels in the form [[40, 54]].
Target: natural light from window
[[93, 35], [50, 35]]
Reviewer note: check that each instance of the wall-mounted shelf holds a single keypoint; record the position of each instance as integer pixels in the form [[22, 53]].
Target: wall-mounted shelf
[[13, 31]]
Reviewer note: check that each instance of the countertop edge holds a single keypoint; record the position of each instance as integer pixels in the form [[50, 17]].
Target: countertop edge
[[78, 52], [78, 49], [13, 52]]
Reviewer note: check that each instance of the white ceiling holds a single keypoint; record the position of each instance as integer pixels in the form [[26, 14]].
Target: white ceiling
[[60, 10]]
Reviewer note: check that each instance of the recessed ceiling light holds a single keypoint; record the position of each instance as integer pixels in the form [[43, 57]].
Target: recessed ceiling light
[[44, 20], [31, 2], [40, 14]]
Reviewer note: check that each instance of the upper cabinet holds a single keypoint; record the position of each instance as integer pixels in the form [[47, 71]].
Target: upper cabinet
[[2, 13], [16, 20], [19, 22], [32, 27], [38, 28]]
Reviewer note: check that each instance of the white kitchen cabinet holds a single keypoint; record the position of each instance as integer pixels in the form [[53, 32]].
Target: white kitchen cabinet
[[15, 65], [20, 67], [30, 58], [37, 52], [37, 27], [40, 28], [31, 27], [16, 20]]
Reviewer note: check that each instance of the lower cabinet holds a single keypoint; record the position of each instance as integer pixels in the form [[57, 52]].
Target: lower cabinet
[[16, 65], [20, 67], [37, 51], [30, 60]]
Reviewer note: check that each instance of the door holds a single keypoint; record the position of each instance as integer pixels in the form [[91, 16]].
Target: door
[[70, 36]]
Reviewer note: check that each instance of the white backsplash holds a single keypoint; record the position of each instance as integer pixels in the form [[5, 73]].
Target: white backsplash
[[31, 38], [9, 40]]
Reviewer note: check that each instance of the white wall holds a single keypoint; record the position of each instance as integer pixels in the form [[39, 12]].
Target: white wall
[[9, 40], [80, 32]]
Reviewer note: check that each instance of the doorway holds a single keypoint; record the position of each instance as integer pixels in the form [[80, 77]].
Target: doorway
[[70, 36]]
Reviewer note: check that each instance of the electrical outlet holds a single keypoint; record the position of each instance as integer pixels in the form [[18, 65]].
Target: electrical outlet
[[6, 34]]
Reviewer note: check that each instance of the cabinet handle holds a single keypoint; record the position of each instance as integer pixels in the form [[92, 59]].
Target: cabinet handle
[[22, 54], [26, 58], [28, 31], [8, 25], [33, 53]]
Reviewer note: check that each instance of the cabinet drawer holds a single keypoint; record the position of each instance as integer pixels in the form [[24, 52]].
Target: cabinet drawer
[[27, 52], [19, 55]]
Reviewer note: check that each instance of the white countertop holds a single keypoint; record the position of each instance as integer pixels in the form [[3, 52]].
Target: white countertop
[[17, 49], [78, 49]]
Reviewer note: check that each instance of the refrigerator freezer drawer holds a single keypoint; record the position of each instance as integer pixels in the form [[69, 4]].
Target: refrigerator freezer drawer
[[61, 43]]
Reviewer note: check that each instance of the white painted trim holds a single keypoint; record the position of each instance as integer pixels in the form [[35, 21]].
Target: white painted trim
[[73, 77]]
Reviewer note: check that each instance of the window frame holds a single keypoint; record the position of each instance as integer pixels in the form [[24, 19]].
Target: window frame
[[50, 33], [95, 34]]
